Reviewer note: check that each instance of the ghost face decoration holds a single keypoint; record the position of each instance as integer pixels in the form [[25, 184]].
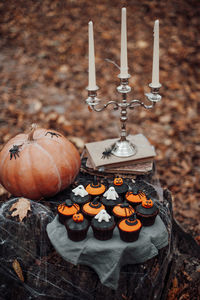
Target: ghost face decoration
[[103, 216], [111, 194], [80, 191]]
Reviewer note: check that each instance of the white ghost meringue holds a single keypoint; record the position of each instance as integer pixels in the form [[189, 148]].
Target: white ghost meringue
[[111, 194], [80, 191], [103, 216]]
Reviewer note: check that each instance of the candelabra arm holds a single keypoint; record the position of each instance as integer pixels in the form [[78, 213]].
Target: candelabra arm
[[134, 103], [114, 103], [153, 97], [92, 101]]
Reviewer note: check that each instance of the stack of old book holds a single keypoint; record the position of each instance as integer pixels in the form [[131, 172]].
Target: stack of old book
[[140, 163]]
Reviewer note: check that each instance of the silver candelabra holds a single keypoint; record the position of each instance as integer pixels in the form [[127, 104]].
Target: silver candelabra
[[123, 147]]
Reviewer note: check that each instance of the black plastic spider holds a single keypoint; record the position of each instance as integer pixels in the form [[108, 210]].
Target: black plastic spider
[[53, 134], [14, 151], [107, 152]]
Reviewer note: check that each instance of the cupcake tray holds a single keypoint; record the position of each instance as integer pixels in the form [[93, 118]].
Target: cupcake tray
[[107, 257]]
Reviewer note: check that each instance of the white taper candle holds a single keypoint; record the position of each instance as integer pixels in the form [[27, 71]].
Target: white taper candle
[[123, 59], [92, 72], [155, 70]]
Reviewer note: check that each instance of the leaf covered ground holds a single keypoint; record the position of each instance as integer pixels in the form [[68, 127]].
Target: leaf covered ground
[[43, 75]]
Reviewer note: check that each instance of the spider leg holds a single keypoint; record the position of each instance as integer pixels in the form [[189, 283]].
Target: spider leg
[[142, 193], [11, 155], [53, 134], [49, 133], [63, 207]]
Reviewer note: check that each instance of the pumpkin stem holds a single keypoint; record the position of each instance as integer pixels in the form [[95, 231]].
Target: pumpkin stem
[[31, 133]]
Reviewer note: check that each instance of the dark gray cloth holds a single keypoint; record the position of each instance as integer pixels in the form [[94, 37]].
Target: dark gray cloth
[[107, 257]]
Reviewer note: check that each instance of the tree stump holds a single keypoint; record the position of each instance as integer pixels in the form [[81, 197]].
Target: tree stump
[[22, 244]]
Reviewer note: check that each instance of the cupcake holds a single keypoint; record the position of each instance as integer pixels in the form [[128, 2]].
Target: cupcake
[[129, 229], [147, 212], [77, 227], [110, 198], [103, 225], [67, 210], [147, 188], [91, 209], [79, 195], [120, 186], [95, 188], [135, 196], [123, 210]]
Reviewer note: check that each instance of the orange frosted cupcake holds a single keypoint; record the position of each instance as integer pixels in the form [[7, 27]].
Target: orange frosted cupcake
[[67, 210], [129, 229], [95, 188], [123, 210], [91, 209], [135, 197]]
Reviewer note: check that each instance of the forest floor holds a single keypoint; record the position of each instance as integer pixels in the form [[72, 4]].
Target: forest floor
[[43, 75]]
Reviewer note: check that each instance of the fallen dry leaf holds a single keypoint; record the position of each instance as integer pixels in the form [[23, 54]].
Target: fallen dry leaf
[[18, 269], [22, 207], [172, 295]]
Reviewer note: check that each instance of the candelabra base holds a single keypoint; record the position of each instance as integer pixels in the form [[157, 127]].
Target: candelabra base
[[124, 149]]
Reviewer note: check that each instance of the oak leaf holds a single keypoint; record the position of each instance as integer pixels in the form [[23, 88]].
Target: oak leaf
[[22, 206]]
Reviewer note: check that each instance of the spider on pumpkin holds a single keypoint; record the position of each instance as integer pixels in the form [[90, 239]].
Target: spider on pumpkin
[[14, 151], [53, 134]]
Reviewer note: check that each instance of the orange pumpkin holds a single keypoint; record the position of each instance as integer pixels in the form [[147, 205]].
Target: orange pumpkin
[[78, 217], [118, 181], [147, 203], [38, 164]]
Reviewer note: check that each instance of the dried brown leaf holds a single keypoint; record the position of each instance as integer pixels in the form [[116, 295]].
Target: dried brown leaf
[[18, 270], [21, 208], [172, 295]]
